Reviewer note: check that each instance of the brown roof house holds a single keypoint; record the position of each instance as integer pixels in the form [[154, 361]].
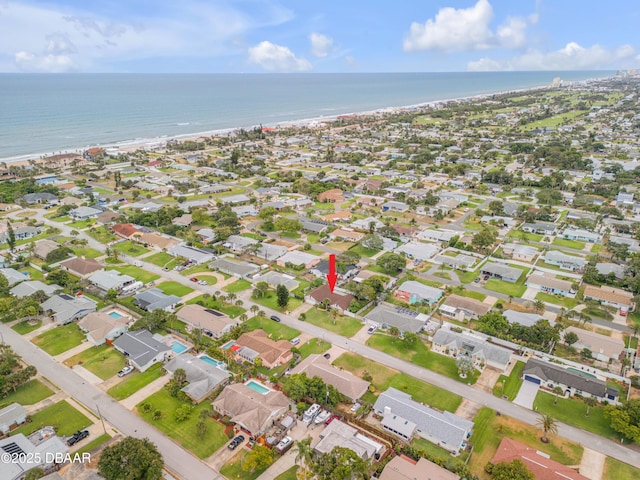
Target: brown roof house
[[250, 410], [345, 382], [108, 217], [157, 241], [212, 322], [463, 308], [610, 296], [337, 299], [101, 327], [44, 247], [81, 267], [125, 230], [331, 196], [405, 468], [258, 344], [542, 467]]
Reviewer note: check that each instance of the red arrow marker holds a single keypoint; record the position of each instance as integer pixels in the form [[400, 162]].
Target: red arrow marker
[[332, 278]]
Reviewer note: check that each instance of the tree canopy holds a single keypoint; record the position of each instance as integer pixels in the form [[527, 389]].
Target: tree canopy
[[625, 418], [131, 459]]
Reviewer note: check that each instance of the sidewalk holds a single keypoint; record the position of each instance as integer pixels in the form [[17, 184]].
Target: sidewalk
[[74, 351], [130, 402]]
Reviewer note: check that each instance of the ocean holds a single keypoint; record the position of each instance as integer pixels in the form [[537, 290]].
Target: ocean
[[41, 113]]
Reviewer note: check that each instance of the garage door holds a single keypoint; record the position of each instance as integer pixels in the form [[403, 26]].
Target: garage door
[[529, 378]]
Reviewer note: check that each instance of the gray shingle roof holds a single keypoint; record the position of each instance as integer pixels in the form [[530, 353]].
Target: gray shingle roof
[[140, 346], [155, 299], [473, 343], [405, 319]]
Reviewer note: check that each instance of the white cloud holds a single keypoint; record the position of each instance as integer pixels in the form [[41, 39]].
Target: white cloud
[[44, 63], [467, 29], [320, 44], [571, 57], [276, 58]]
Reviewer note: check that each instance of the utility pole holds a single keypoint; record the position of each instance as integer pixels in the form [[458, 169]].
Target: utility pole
[[101, 419]]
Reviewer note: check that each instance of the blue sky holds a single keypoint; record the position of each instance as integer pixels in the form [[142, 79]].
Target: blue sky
[[235, 36]]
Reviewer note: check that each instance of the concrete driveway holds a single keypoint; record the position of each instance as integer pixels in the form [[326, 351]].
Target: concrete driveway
[[527, 394]]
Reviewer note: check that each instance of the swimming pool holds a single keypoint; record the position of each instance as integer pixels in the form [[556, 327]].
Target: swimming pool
[[228, 345], [212, 361], [258, 387], [115, 315], [178, 347]]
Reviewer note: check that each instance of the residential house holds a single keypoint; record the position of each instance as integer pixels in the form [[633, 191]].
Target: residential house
[[341, 216], [273, 279], [404, 417], [101, 327], [463, 308], [338, 300], [516, 251], [271, 252], [212, 322], [581, 235], [10, 417], [331, 196], [84, 213], [156, 299], [81, 267], [245, 211], [404, 468], [614, 297], [536, 462], [258, 344], [459, 262], [340, 434], [624, 199], [63, 308], [548, 283], [184, 220], [298, 258], [416, 251], [386, 315], [540, 228], [126, 230], [44, 247], [107, 280], [157, 241], [346, 383], [438, 236], [202, 377], [607, 269], [342, 234], [31, 454], [314, 226], [236, 268], [366, 224], [393, 206], [195, 255], [551, 375], [13, 276], [141, 348], [30, 287], [38, 198], [108, 217], [474, 345], [206, 235], [414, 292], [603, 347], [321, 270], [564, 261], [251, 411], [23, 232], [501, 272], [522, 318], [238, 243]]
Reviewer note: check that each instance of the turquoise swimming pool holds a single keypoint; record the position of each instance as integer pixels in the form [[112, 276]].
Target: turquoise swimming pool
[[178, 347], [258, 387], [115, 315], [212, 361]]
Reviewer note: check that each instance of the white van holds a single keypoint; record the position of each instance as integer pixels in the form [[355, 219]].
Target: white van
[[295, 341]]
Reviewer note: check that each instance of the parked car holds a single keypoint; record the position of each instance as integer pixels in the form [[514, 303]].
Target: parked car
[[285, 444], [355, 407], [76, 437], [165, 269], [194, 279], [275, 319], [486, 277], [327, 356], [295, 341], [202, 282], [125, 371], [372, 329], [235, 442], [476, 280]]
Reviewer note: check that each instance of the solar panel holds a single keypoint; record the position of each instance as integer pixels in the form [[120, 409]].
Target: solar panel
[[13, 448]]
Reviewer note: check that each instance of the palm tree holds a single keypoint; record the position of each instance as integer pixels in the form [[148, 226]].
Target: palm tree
[[548, 425], [304, 452], [539, 306], [254, 309], [557, 391], [243, 317], [590, 402]]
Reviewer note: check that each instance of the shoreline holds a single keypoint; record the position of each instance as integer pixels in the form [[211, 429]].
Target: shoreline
[[151, 143]]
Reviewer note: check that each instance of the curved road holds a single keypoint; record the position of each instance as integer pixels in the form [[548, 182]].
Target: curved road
[[124, 420]]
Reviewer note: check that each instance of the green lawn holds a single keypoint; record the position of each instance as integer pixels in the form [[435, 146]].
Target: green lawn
[[470, 294], [238, 286], [385, 377], [597, 248], [28, 394], [314, 345], [101, 234], [513, 289], [561, 242], [437, 454], [135, 381], [24, 326], [60, 339], [275, 330], [616, 470], [67, 419], [189, 272], [87, 252], [511, 383], [175, 288], [130, 248], [95, 443], [468, 277], [184, 432], [34, 273], [82, 224], [561, 300], [233, 468], [288, 474], [163, 260], [572, 411], [103, 361], [345, 326], [137, 273], [420, 354], [363, 251], [270, 300], [532, 237], [232, 310]]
